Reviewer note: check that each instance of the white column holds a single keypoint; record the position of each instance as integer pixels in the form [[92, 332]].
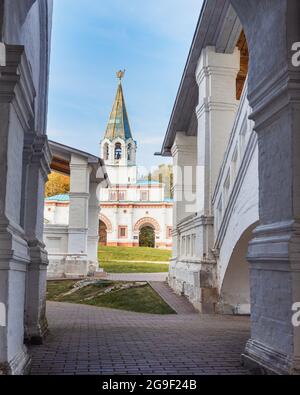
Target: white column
[[130, 225], [36, 161], [77, 261], [93, 228], [16, 112], [274, 254], [184, 153], [216, 77]]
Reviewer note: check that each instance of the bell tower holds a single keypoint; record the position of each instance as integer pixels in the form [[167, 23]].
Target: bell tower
[[118, 149]]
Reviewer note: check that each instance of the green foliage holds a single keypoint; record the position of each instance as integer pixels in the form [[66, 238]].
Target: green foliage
[[55, 288], [141, 300], [147, 237]]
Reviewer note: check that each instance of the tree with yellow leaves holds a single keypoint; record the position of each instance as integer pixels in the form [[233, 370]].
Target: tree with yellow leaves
[[57, 184]]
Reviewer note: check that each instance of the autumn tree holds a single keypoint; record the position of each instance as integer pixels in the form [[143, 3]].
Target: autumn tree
[[57, 184]]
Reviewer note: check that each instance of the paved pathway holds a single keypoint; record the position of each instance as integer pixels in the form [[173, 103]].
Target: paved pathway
[[180, 304], [92, 340], [136, 276]]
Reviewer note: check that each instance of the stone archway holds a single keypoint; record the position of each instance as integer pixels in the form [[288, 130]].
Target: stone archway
[[147, 221], [235, 289], [106, 222]]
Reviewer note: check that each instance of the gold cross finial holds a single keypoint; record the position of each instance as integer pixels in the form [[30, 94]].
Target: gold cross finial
[[120, 74]]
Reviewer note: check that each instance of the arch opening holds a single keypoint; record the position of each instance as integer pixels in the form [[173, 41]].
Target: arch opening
[[129, 148], [147, 236], [235, 290], [244, 64], [118, 151], [106, 151], [102, 234]]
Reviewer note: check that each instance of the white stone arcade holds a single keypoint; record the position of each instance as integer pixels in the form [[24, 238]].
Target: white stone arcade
[[211, 242], [234, 139], [71, 231]]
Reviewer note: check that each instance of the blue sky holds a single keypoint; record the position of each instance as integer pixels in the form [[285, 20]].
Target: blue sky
[[91, 40]]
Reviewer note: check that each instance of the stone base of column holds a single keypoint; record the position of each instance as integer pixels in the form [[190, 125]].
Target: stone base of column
[[19, 365], [260, 359], [36, 336], [76, 267], [36, 326]]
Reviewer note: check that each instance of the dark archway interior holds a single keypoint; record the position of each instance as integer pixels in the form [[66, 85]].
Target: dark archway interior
[[118, 151], [102, 233], [242, 75], [147, 237]]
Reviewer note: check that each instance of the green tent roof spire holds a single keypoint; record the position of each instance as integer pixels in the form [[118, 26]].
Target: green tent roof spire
[[118, 124]]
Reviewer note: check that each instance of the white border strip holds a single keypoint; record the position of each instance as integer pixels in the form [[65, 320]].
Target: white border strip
[[2, 55]]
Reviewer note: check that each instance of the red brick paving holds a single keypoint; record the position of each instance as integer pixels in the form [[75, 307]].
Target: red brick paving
[[96, 341]]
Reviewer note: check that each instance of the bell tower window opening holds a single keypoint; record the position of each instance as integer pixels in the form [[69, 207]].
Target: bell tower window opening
[[106, 151], [129, 152], [118, 151]]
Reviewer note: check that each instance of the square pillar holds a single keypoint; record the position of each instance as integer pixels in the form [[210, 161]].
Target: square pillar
[[77, 260], [216, 77], [184, 153], [274, 253], [16, 114], [36, 159], [93, 228]]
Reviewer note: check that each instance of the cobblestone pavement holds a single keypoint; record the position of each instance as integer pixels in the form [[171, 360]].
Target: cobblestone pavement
[[136, 276], [180, 304], [92, 340]]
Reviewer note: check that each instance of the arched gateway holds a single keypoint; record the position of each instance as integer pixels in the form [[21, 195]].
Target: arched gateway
[[271, 29]]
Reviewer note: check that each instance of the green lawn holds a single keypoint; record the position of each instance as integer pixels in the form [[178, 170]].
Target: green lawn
[[133, 260], [141, 300], [138, 298], [55, 288], [131, 267], [107, 254]]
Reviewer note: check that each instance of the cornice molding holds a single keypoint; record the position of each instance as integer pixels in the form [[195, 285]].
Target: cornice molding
[[17, 85], [37, 152], [209, 104], [272, 96]]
